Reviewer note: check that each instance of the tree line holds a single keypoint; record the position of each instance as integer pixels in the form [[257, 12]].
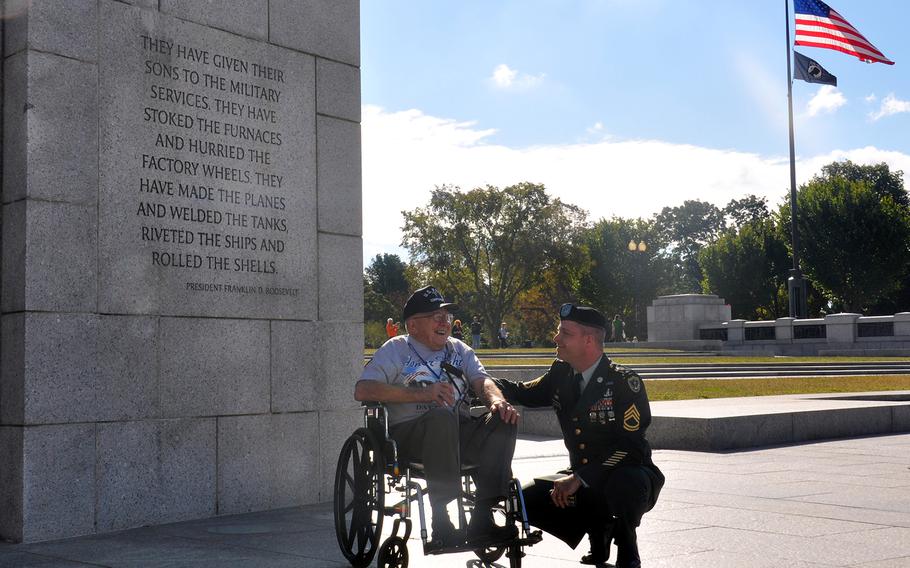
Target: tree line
[[516, 253]]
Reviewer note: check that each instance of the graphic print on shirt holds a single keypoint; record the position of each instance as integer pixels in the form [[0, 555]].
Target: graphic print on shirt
[[419, 373]]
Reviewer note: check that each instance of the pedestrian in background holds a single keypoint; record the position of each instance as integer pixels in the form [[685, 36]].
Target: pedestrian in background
[[503, 335], [476, 328], [457, 332], [391, 328], [619, 333]]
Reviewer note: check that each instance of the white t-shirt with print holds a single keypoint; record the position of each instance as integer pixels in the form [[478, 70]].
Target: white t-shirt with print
[[404, 361]]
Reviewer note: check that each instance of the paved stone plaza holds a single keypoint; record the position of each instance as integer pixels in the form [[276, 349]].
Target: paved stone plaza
[[831, 503]]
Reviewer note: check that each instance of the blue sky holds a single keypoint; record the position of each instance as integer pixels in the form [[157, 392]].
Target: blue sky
[[618, 106]]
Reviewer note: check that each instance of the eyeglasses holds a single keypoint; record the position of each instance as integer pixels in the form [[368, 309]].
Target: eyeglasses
[[438, 318]]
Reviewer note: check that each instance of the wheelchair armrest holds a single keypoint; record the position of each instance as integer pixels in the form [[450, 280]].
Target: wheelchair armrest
[[377, 413]]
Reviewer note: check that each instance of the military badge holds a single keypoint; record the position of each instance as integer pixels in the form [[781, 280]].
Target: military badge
[[634, 383], [631, 420]]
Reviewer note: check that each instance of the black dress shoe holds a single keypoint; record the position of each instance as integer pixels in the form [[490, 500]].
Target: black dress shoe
[[591, 560], [482, 531], [445, 535]]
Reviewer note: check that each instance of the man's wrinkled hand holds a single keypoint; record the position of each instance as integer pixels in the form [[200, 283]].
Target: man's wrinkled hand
[[563, 488], [441, 393], [506, 411]]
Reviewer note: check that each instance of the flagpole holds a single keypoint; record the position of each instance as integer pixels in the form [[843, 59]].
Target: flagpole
[[796, 286]]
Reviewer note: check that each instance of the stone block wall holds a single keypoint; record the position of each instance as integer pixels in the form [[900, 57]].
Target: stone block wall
[[678, 317], [181, 259]]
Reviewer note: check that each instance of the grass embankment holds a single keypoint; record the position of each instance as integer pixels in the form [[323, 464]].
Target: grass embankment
[[520, 350], [670, 360], [666, 389], [728, 388]]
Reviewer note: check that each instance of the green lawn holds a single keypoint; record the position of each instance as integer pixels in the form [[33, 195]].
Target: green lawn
[[488, 362], [520, 350], [724, 388], [692, 389]]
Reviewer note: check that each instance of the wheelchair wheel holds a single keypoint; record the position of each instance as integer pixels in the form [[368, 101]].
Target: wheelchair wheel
[[490, 554], [359, 497], [393, 553]]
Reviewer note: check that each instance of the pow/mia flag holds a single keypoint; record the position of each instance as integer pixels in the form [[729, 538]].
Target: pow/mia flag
[[810, 71]]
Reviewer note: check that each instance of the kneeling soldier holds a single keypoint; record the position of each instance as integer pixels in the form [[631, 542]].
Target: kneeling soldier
[[603, 412]]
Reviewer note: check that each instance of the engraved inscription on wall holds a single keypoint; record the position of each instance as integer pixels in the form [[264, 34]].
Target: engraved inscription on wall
[[198, 212], [207, 143]]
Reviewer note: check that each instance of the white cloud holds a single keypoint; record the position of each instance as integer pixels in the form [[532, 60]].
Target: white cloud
[[827, 99], [406, 154], [871, 98], [890, 105], [505, 78], [594, 132]]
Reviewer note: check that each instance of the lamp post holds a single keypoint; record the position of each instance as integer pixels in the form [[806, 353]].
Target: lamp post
[[637, 248]]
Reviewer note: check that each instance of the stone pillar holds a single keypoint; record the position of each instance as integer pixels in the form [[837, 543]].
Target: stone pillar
[[181, 275], [841, 328], [902, 324], [678, 317], [736, 331], [783, 330]]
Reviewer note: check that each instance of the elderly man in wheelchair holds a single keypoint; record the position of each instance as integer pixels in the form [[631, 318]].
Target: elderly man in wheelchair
[[417, 389]]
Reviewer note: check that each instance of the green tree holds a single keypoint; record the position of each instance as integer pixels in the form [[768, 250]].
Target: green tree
[[488, 245], [879, 177], [748, 268], [686, 229], [376, 307], [853, 240], [623, 281], [386, 277], [747, 210]]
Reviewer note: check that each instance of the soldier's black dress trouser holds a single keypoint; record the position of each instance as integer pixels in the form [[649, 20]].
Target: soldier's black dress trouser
[[618, 503]]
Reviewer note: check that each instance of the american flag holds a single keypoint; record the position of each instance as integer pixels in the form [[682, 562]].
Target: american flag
[[819, 25]]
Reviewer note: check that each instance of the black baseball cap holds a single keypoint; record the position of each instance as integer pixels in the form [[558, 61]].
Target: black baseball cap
[[583, 315], [427, 299]]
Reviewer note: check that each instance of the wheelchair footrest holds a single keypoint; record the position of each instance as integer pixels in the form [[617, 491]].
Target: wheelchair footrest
[[532, 538], [431, 550]]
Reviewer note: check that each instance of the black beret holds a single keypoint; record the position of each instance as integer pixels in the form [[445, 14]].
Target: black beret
[[583, 315]]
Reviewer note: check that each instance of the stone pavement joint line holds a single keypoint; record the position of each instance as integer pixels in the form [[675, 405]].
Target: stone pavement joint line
[[821, 504]]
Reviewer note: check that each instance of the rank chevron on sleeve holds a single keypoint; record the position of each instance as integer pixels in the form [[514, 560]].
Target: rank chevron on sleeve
[[631, 419]]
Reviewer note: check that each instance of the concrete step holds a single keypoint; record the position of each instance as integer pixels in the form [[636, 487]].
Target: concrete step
[[738, 423], [734, 370]]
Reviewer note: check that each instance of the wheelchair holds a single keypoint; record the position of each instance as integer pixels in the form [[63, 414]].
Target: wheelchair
[[369, 477]]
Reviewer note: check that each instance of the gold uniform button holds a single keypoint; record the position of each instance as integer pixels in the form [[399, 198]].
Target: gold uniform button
[[581, 446], [584, 461], [577, 431]]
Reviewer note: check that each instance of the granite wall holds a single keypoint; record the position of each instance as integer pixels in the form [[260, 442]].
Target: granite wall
[[181, 258]]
